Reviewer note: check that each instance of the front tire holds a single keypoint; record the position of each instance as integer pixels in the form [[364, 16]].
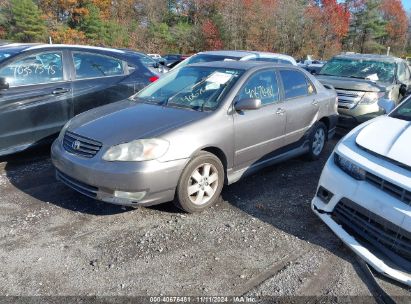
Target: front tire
[[317, 141], [200, 183]]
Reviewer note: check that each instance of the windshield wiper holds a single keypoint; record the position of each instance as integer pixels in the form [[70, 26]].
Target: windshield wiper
[[356, 77], [325, 74]]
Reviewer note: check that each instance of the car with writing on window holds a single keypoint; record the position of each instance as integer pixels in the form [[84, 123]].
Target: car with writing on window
[[195, 129], [43, 86], [362, 82], [364, 194], [210, 56]]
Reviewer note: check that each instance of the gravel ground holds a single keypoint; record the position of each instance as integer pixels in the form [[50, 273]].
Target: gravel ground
[[260, 240]]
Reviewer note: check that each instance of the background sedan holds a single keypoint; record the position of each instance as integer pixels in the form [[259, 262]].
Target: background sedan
[[43, 86]]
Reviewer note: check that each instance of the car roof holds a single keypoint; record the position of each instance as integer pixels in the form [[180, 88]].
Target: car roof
[[240, 54], [35, 46], [240, 65], [383, 58]]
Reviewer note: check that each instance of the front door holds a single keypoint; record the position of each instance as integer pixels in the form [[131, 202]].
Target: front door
[[38, 101], [258, 132]]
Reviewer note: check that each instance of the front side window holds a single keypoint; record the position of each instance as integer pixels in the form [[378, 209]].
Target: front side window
[[34, 69], [196, 88], [403, 73], [359, 68], [295, 84], [263, 86], [90, 65]]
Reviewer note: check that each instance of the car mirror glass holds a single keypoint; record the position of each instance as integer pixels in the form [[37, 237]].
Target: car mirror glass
[[248, 104], [4, 85]]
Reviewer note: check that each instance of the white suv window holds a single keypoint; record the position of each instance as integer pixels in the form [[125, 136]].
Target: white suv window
[[88, 65], [40, 68]]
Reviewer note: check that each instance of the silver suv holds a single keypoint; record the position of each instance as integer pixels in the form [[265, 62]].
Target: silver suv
[[364, 84]]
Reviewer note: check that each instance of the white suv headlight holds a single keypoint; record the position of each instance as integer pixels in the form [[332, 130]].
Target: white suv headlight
[[371, 97], [137, 150], [350, 168]]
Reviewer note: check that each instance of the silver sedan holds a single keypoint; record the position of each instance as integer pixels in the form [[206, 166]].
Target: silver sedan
[[192, 131]]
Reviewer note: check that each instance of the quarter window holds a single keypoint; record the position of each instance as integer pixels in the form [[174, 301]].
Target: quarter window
[[89, 65], [262, 85], [34, 69], [403, 73], [295, 84]]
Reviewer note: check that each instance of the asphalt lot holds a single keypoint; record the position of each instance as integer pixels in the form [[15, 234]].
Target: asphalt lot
[[261, 240]]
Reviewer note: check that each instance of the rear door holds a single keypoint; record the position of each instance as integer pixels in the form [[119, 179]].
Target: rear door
[[259, 132], [99, 79], [38, 101], [301, 104]]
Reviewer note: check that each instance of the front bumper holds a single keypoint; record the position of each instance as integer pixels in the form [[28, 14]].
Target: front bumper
[[350, 118], [369, 198], [153, 180]]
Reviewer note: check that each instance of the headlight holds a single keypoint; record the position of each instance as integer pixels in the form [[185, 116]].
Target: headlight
[[371, 97], [137, 150], [349, 168]]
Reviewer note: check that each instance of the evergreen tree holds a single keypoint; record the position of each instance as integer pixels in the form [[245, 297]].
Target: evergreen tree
[[26, 22], [367, 28], [92, 25]]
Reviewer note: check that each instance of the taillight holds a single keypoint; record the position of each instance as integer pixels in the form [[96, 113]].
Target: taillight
[[153, 78]]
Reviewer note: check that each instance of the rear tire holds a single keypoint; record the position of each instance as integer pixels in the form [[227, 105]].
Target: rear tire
[[200, 183], [317, 141]]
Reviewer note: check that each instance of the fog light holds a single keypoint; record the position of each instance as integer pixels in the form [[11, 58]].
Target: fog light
[[132, 196], [324, 194]]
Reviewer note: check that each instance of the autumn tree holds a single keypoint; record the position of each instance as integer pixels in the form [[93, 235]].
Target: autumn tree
[[396, 24]]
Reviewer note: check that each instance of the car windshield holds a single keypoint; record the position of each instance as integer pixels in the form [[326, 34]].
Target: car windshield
[[196, 88], [362, 69], [403, 111], [204, 58]]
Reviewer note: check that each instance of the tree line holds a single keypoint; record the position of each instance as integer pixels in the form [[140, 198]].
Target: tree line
[[320, 28]]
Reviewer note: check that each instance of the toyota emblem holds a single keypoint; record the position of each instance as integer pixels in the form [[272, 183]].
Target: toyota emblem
[[76, 145]]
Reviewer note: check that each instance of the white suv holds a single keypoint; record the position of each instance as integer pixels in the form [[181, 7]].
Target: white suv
[[364, 194]]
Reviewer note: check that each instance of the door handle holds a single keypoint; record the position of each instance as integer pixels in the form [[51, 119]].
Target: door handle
[[59, 91], [280, 111], [315, 103]]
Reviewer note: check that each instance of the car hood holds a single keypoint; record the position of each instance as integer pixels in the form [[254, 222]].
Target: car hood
[[353, 84], [127, 120], [389, 137]]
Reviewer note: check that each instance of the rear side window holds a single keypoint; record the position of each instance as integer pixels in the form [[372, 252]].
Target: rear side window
[[295, 84], [40, 68], [262, 85], [90, 65]]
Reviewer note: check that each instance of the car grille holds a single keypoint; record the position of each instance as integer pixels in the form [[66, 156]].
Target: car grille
[[390, 188], [348, 99], [81, 187], [390, 239], [80, 145]]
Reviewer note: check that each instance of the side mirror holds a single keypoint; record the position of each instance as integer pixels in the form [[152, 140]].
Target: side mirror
[[247, 104], [4, 85], [386, 105], [403, 89]]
